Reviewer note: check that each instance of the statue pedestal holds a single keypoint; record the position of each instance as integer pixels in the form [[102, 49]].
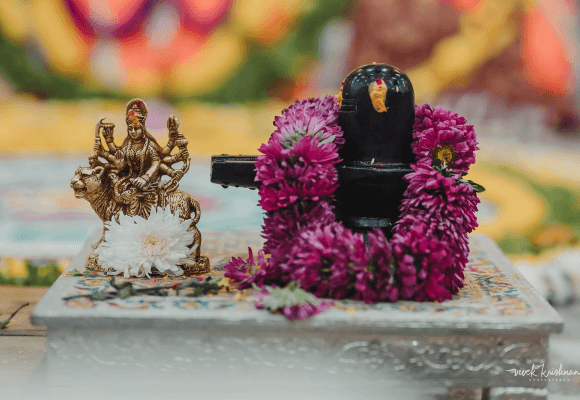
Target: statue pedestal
[[223, 347]]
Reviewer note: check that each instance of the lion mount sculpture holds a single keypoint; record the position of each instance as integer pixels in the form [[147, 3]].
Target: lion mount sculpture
[[128, 179]]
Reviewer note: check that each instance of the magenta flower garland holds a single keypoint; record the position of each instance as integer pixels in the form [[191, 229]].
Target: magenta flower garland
[[307, 247]]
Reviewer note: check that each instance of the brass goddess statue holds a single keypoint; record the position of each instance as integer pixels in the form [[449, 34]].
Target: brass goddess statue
[[128, 179]]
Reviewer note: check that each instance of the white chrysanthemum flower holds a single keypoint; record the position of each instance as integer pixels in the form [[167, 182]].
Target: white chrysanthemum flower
[[134, 245]]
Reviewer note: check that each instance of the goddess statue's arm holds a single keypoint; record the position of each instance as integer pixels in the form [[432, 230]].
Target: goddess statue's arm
[[167, 170], [142, 181], [102, 153], [119, 160], [175, 138], [107, 156], [108, 135], [172, 127], [181, 155], [167, 149]]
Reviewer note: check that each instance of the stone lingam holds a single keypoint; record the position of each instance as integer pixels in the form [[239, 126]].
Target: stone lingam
[[376, 115]]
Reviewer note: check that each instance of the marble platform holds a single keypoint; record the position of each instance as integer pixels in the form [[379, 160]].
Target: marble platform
[[222, 346]]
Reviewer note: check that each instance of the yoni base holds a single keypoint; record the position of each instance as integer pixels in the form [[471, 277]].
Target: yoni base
[[199, 266]]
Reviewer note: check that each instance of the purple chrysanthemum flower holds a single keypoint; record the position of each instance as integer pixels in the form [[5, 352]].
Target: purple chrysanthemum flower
[[298, 168], [381, 259], [449, 233], [272, 150], [298, 176], [307, 173], [310, 117], [303, 184], [422, 262], [245, 272], [431, 193], [322, 259], [427, 255], [447, 207], [442, 135], [426, 178], [282, 226]]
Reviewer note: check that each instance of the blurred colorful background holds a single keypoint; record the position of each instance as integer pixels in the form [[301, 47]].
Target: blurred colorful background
[[225, 68]]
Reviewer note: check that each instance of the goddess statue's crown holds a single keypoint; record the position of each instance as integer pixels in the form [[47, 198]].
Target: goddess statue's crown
[[137, 107]]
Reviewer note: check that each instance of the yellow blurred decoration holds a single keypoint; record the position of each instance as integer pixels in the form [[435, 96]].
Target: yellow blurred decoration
[[62, 263], [62, 43], [4, 266], [554, 236], [519, 208], [17, 268], [59, 126], [210, 68], [43, 270], [484, 32], [14, 19], [145, 82], [249, 15], [188, 71]]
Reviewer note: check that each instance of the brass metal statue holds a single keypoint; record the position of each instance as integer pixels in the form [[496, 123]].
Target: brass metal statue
[[128, 178]]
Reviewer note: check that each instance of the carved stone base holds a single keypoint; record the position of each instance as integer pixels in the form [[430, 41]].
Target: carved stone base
[[200, 266]]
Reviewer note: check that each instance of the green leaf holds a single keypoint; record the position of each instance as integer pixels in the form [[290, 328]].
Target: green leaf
[[478, 188], [125, 292], [100, 296], [318, 134], [75, 272], [121, 285], [289, 296], [327, 140], [4, 323]]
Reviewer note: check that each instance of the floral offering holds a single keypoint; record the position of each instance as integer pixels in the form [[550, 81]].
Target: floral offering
[[307, 248], [133, 246]]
